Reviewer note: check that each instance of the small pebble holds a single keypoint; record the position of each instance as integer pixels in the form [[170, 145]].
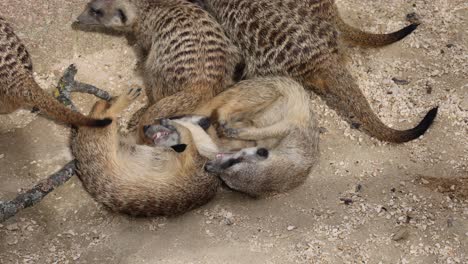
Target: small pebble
[[12, 240], [12, 227], [52, 249], [400, 82], [401, 234], [291, 228], [424, 181]]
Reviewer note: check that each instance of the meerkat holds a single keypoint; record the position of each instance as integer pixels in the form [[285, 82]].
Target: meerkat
[[187, 56], [301, 39], [18, 89], [283, 127], [164, 179]]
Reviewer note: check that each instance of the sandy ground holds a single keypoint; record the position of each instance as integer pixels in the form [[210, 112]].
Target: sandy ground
[[394, 217]]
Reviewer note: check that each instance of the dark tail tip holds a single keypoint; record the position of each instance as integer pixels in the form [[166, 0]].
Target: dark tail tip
[[427, 120], [102, 122], [402, 33], [422, 127]]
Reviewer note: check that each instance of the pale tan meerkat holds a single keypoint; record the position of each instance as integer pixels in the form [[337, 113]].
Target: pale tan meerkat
[[188, 59], [283, 127], [18, 89], [302, 39], [165, 179]]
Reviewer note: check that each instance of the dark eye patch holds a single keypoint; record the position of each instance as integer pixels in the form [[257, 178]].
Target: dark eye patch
[[122, 16], [96, 12], [231, 162]]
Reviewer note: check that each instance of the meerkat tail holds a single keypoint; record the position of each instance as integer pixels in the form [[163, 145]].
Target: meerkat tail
[[367, 39], [341, 92], [57, 111]]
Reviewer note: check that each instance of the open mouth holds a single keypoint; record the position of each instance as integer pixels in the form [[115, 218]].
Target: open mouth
[[220, 156], [161, 135]]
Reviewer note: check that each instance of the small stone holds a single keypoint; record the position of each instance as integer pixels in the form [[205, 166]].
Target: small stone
[[12, 227], [358, 188], [400, 82], [227, 221], [346, 201], [413, 18], [424, 181], [2, 156], [12, 240], [291, 228], [52, 249], [70, 232], [400, 234]]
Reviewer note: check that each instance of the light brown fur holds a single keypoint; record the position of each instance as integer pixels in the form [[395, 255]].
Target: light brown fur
[[137, 179], [186, 57], [302, 39], [283, 127], [18, 89]]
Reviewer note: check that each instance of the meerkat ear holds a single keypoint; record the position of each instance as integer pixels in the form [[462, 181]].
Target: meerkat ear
[[121, 14], [179, 147], [125, 13]]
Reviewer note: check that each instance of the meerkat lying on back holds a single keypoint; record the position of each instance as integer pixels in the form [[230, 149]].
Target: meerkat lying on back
[[18, 89], [283, 127], [187, 57], [164, 179], [301, 39]]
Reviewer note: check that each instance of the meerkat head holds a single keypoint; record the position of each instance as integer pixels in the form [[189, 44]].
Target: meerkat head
[[165, 136], [227, 163], [165, 133], [115, 14]]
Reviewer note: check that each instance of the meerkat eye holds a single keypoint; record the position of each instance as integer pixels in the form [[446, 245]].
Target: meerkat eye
[[122, 16], [96, 12]]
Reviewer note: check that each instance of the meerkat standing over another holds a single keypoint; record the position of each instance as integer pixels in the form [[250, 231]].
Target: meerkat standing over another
[[300, 39], [283, 126], [18, 89], [187, 56], [164, 179]]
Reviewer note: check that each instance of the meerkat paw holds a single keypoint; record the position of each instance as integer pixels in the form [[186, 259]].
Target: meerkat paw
[[167, 123], [133, 94], [124, 100], [225, 130]]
